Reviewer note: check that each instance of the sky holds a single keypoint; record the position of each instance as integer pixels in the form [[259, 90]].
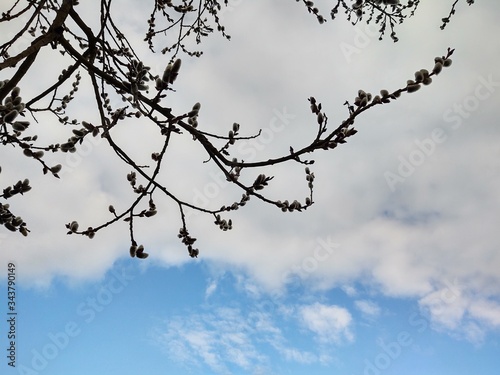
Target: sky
[[393, 270]]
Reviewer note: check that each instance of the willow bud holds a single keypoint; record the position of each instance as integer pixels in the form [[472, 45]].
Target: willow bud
[[166, 73], [413, 88], [56, 168], [133, 250], [15, 92], [439, 60], [11, 116], [73, 226], [437, 68]]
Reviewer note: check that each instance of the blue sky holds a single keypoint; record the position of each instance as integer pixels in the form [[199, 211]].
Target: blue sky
[[394, 270], [153, 321]]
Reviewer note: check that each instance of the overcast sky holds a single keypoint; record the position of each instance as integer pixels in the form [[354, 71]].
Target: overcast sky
[[394, 270]]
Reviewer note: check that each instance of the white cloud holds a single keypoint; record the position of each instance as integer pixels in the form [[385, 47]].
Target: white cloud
[[297, 356], [487, 311], [368, 308], [446, 313], [227, 337], [329, 322], [439, 224], [215, 340], [468, 316], [211, 288], [349, 290]]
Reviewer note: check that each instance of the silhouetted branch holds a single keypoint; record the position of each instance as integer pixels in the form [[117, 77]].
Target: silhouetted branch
[[108, 60]]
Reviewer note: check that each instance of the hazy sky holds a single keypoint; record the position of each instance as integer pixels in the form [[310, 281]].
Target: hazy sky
[[394, 270]]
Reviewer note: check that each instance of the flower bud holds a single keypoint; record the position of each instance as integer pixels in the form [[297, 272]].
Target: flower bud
[[56, 168], [11, 116], [176, 66], [20, 125], [439, 60], [437, 68], [413, 88], [73, 226], [15, 92], [166, 73], [133, 250]]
